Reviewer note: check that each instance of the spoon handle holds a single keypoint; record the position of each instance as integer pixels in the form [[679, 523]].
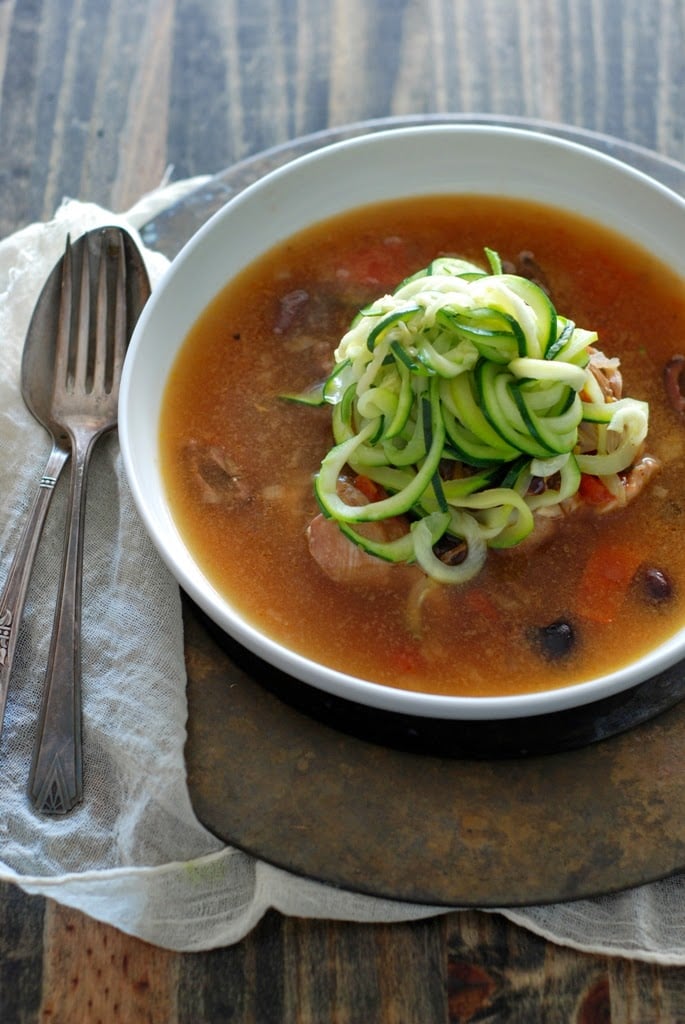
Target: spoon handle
[[14, 595], [55, 783]]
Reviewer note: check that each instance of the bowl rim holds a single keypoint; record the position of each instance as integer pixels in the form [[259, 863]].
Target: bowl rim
[[229, 618]]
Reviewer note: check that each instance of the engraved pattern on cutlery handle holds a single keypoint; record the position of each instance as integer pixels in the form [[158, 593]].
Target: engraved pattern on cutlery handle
[[56, 780], [13, 596]]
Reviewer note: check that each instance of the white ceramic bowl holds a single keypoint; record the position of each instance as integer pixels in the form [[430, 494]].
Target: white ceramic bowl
[[395, 163]]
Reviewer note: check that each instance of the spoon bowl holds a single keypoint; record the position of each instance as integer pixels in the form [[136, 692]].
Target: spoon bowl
[[37, 372]]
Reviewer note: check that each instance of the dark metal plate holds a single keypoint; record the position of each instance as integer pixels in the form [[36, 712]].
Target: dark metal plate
[[365, 816], [414, 809]]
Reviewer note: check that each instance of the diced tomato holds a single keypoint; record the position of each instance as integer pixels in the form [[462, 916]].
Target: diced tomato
[[606, 580], [384, 264], [369, 488], [593, 491]]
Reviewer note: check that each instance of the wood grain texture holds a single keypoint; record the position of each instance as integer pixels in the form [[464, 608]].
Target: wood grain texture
[[462, 968], [197, 84], [21, 955], [314, 971], [93, 974], [97, 100]]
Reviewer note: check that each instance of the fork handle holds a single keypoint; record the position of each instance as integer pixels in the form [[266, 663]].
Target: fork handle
[[13, 596], [56, 780]]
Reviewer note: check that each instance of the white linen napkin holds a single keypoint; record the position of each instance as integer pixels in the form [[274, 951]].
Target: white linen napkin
[[133, 854]]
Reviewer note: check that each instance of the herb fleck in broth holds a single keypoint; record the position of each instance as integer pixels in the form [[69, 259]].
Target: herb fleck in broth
[[238, 461]]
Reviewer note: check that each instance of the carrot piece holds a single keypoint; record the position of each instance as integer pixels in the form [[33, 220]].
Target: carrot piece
[[478, 604], [606, 579], [404, 660], [593, 491]]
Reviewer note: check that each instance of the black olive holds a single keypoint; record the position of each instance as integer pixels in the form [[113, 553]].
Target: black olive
[[454, 555], [537, 485], [451, 551], [655, 584], [557, 639]]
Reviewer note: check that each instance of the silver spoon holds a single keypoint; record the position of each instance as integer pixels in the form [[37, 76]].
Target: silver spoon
[[103, 286], [37, 370]]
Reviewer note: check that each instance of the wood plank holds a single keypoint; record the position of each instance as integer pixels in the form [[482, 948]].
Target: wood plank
[[94, 973], [308, 971], [201, 83], [500, 972], [648, 993], [127, 149], [21, 955]]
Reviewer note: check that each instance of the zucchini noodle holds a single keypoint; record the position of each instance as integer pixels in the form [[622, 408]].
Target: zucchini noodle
[[453, 395]]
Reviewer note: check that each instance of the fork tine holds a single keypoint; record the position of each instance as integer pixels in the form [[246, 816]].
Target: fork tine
[[121, 327], [100, 371], [111, 318], [63, 334], [80, 339]]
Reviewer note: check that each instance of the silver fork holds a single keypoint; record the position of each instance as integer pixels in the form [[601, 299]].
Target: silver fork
[[104, 287]]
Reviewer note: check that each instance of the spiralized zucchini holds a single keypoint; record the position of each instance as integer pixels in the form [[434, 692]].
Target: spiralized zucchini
[[476, 371]]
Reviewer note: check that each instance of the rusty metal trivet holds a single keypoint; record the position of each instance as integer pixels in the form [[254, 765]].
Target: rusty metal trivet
[[276, 782]]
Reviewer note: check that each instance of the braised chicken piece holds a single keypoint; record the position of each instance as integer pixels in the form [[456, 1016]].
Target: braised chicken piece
[[525, 265], [673, 381], [216, 477], [634, 482], [607, 374], [292, 310], [344, 561], [549, 521]]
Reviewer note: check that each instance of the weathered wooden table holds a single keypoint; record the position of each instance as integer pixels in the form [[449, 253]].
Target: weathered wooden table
[[97, 100]]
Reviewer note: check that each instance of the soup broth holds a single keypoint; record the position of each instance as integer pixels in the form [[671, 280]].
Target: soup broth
[[239, 461]]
